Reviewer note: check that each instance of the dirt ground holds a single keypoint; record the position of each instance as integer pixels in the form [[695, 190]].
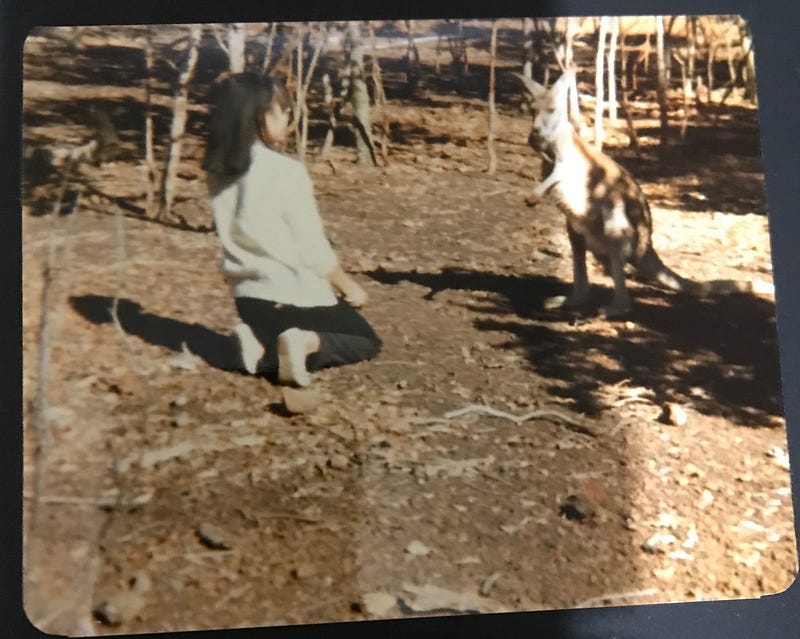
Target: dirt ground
[[169, 492]]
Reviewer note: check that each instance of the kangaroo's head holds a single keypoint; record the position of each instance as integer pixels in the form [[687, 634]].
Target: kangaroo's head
[[550, 108]]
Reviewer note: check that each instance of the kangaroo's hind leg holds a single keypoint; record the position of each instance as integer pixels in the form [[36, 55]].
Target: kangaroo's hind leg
[[621, 302], [579, 295]]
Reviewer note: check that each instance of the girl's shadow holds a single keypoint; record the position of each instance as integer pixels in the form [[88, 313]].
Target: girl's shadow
[[217, 350]]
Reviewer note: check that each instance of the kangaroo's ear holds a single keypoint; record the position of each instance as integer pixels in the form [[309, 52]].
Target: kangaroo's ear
[[534, 88]]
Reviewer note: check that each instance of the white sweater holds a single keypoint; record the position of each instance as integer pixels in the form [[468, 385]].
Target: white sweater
[[272, 234]]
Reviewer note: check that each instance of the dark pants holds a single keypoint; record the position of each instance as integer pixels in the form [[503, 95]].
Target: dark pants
[[345, 336]]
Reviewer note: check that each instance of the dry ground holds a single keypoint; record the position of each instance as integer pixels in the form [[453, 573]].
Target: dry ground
[[162, 466]]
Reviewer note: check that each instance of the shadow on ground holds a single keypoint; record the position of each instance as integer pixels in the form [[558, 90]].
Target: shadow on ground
[[215, 349], [720, 354]]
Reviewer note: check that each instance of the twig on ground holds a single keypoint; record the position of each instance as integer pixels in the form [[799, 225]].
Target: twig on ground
[[616, 597], [233, 594], [544, 413]]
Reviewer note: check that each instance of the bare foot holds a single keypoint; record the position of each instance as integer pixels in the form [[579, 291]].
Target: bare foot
[[250, 349], [294, 345]]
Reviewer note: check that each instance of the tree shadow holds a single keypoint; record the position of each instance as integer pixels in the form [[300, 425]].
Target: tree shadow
[[217, 350], [720, 355]]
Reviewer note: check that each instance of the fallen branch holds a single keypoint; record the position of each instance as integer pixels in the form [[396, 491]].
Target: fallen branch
[[544, 413], [233, 594], [104, 503]]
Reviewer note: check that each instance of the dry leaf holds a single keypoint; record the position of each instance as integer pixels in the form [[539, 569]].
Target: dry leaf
[[378, 604], [418, 548]]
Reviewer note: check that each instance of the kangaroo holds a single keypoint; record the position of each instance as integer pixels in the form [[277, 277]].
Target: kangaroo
[[605, 208]]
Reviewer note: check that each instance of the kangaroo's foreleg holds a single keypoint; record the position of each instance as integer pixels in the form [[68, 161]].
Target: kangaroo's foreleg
[[541, 188], [580, 280], [548, 182]]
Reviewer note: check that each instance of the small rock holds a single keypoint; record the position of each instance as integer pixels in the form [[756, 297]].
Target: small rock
[[780, 457], [666, 520], [303, 571], [181, 420], [123, 607], [417, 548], [339, 462], [692, 471], [673, 414], [655, 543], [300, 400], [59, 415], [576, 508], [681, 555], [212, 536], [705, 500], [179, 401], [665, 574], [488, 584], [377, 604], [691, 537]]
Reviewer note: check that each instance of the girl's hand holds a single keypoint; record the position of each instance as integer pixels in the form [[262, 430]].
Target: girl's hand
[[347, 286], [355, 295]]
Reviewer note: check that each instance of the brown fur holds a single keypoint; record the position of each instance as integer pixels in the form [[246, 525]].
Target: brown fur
[[605, 209]]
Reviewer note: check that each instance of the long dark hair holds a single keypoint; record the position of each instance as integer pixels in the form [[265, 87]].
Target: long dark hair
[[239, 106]]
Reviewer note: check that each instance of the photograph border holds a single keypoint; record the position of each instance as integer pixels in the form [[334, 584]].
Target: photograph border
[[773, 25]]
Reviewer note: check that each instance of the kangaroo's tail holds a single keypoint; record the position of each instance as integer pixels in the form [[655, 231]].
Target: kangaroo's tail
[[652, 270]]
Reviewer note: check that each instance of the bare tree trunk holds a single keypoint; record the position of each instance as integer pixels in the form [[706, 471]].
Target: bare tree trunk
[[634, 139], [456, 43], [462, 45], [412, 58], [268, 51], [749, 62], [149, 153], [318, 44], [662, 79], [571, 32], [691, 40], [357, 94], [179, 116], [236, 42], [599, 78], [328, 100], [647, 50], [492, 115], [612, 70], [438, 50], [298, 89], [380, 95], [623, 63], [527, 50], [686, 83]]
